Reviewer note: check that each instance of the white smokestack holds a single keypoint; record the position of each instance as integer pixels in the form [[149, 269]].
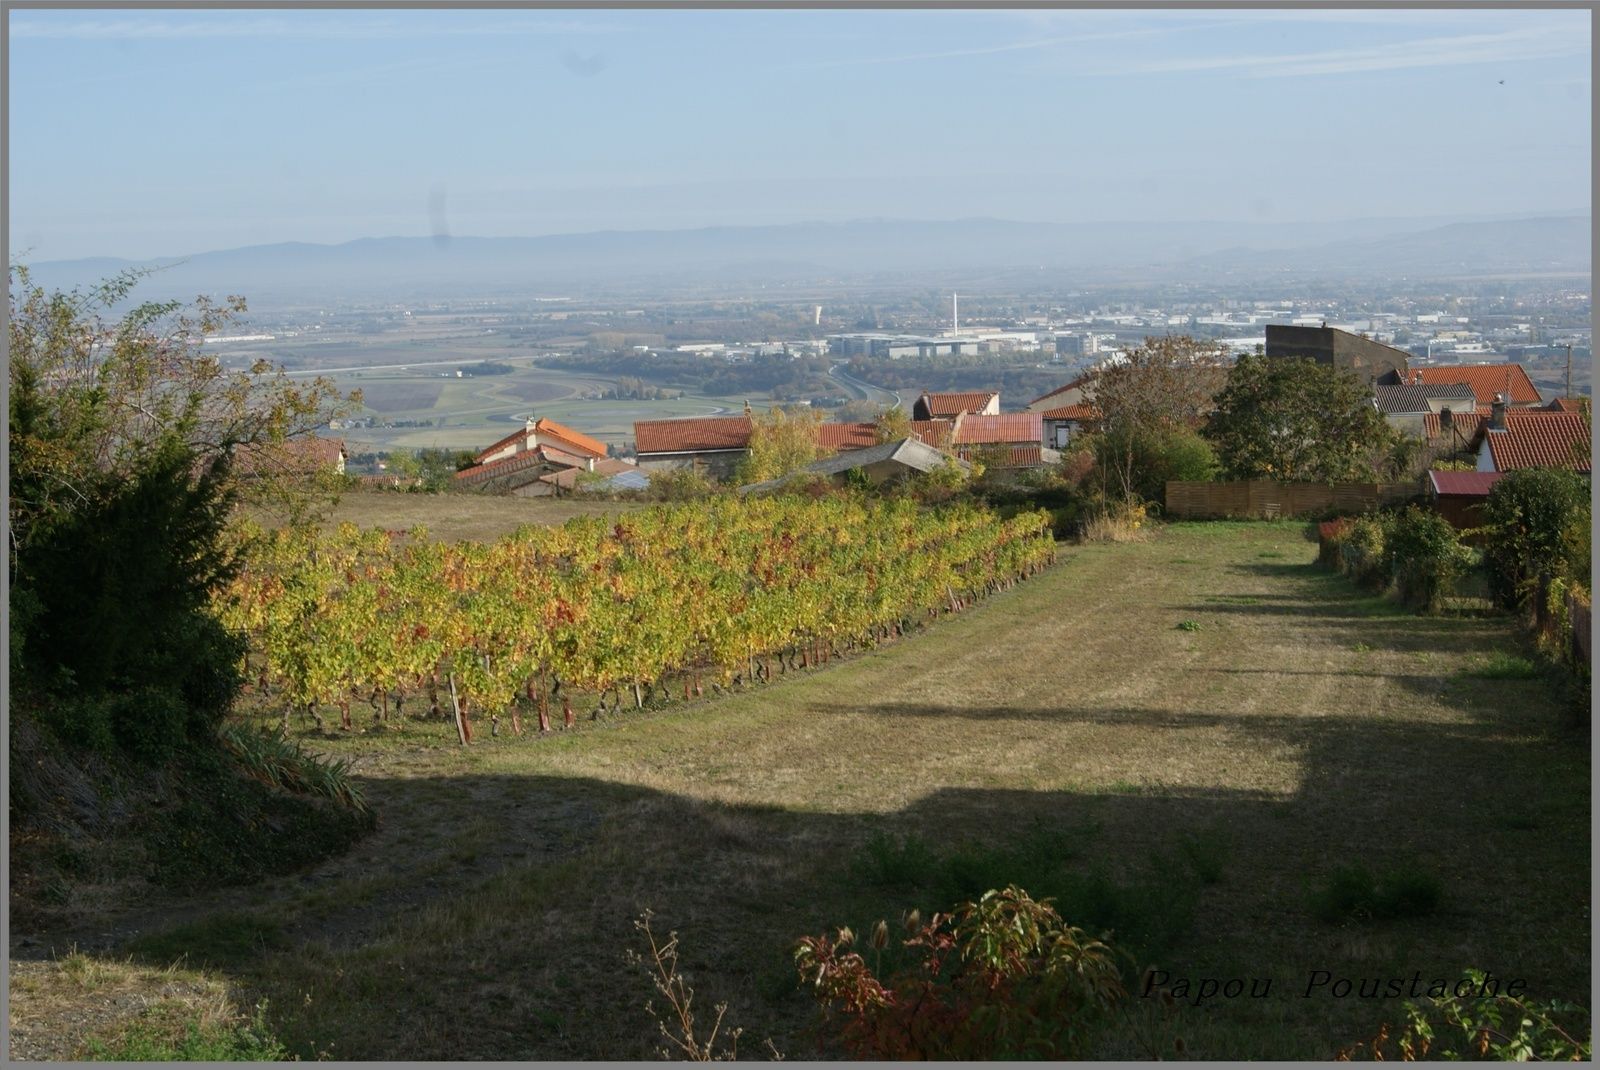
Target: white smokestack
[[955, 316], [816, 317]]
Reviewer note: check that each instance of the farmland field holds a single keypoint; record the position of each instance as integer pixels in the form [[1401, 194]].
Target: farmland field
[[471, 411], [1204, 726]]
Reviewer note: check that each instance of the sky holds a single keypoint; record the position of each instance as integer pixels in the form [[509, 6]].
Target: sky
[[153, 133]]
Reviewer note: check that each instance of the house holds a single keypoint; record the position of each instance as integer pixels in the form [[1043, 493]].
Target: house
[[1405, 405], [883, 463], [949, 406], [1510, 440], [305, 456], [525, 462], [1373, 361], [1067, 410], [717, 444], [1450, 434], [1486, 380], [1079, 391], [1011, 429], [1459, 497], [710, 443], [542, 432]]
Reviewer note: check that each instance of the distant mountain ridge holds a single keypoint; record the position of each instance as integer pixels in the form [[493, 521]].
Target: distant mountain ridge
[[401, 267]]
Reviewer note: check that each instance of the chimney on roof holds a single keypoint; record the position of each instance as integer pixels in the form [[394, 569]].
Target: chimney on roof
[[1497, 413], [529, 425], [589, 461], [747, 410]]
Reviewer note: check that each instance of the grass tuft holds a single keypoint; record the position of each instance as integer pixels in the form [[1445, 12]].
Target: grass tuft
[[1503, 666]]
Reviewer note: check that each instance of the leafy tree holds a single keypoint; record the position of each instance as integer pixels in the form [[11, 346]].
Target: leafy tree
[[1294, 419], [892, 425], [1150, 403], [123, 436], [781, 441]]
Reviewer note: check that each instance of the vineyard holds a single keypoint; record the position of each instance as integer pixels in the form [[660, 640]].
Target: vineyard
[[605, 606]]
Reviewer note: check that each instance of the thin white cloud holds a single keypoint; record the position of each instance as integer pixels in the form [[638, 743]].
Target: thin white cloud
[[133, 27], [984, 50], [1544, 42]]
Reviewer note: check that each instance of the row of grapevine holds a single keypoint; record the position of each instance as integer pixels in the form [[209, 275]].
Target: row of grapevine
[[601, 605]]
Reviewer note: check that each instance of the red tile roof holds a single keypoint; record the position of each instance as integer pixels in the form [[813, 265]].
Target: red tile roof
[[567, 478], [1486, 380], [1022, 428], [1463, 426], [1463, 484], [1016, 457], [949, 404], [1080, 381], [935, 433], [1566, 405], [692, 435], [1538, 440], [840, 436], [1079, 411], [503, 467]]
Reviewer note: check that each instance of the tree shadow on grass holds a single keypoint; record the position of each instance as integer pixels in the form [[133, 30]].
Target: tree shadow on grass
[[512, 897]]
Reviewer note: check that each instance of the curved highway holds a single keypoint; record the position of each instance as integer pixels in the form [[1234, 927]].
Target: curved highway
[[861, 389]]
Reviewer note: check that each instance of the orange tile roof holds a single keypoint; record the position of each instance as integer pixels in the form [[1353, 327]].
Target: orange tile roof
[[949, 404], [1080, 381], [1538, 440], [1079, 411], [1014, 427], [841, 436], [516, 436], [692, 435], [1486, 380], [1566, 405], [583, 442]]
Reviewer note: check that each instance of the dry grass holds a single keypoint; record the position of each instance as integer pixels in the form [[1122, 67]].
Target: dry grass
[[59, 1006], [1305, 724]]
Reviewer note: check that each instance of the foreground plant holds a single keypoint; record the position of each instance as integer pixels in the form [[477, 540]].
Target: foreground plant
[[678, 1026], [1003, 977], [1487, 1027]]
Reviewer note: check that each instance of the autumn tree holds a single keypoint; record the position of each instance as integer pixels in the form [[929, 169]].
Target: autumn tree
[[781, 441], [1294, 419], [891, 425], [1150, 403], [123, 440]]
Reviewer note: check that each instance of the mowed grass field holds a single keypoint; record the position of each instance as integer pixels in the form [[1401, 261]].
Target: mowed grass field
[[1196, 784]]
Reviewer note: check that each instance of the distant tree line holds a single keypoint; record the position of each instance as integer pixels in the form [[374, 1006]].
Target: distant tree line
[[709, 376]]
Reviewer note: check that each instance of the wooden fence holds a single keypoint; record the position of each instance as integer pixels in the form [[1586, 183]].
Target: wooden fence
[[1255, 498]]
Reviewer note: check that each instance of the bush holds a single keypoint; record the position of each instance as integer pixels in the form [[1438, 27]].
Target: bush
[[1001, 977], [1362, 553], [1424, 556], [1486, 1024], [1352, 893], [1535, 522]]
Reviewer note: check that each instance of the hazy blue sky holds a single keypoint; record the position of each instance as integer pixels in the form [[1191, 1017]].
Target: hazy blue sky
[[149, 133]]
